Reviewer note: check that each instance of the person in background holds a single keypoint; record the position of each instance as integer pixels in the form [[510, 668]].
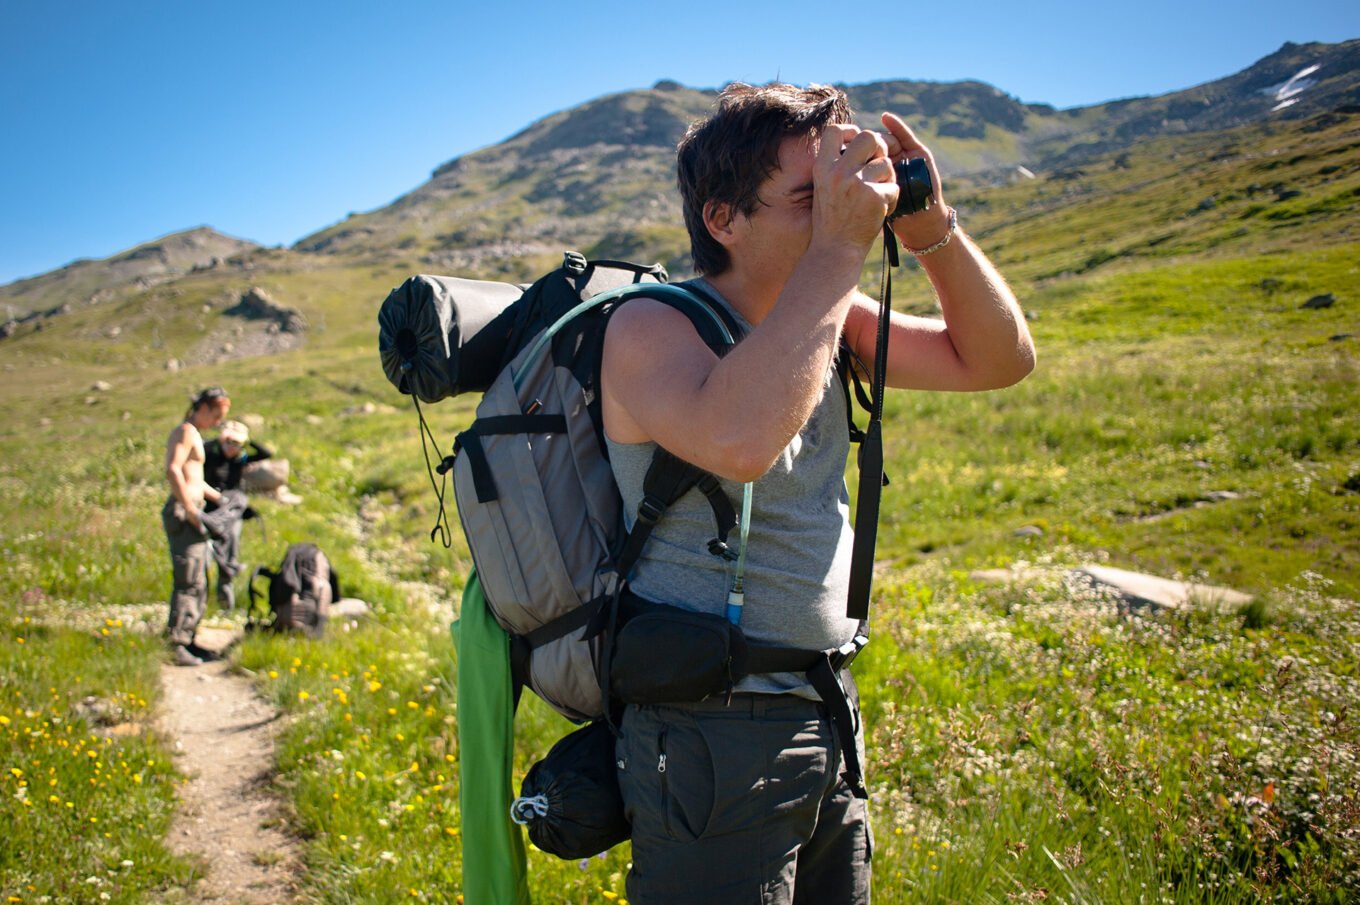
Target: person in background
[[182, 518], [226, 458]]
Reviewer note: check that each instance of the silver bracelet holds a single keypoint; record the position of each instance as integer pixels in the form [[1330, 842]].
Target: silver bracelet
[[949, 234]]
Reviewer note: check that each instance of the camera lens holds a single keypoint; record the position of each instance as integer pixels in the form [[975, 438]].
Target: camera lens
[[915, 192]]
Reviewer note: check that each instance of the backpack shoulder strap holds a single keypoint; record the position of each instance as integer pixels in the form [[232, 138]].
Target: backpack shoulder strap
[[334, 580], [712, 321], [251, 620]]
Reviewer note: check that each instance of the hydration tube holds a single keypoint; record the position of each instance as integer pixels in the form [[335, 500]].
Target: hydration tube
[[651, 289], [736, 597]]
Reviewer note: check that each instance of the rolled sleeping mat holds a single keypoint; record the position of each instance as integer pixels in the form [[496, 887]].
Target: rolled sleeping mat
[[441, 336]]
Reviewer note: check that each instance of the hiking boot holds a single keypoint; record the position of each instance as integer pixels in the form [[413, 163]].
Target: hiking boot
[[202, 653], [182, 656]]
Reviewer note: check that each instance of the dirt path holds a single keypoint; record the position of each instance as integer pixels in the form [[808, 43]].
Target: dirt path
[[223, 736]]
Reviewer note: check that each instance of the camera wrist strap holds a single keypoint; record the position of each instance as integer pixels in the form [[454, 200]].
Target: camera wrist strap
[[871, 479]]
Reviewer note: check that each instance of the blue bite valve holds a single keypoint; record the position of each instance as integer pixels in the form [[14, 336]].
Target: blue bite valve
[[735, 600]]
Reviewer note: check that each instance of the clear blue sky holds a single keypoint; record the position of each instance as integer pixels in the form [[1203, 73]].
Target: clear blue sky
[[122, 122]]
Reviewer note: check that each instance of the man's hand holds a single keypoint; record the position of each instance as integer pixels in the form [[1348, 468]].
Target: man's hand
[[923, 229], [854, 187]]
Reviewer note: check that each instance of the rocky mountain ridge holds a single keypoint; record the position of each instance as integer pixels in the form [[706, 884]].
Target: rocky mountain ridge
[[93, 281], [603, 171], [599, 176]]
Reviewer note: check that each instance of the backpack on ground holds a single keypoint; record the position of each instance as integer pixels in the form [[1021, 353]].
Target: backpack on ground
[[300, 593]]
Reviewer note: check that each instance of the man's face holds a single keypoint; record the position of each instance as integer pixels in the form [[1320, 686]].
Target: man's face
[[775, 236]]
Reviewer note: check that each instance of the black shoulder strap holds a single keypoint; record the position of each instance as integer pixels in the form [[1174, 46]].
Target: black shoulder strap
[[334, 580], [712, 321], [668, 479], [251, 620]]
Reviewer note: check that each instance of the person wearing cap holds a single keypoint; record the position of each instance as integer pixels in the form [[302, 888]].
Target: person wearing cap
[[182, 518], [226, 458]]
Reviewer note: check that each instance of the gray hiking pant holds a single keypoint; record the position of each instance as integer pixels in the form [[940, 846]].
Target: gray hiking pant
[[741, 804], [189, 556], [227, 552]]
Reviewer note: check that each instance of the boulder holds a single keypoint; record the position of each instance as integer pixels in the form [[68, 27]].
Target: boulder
[[349, 608], [1139, 590], [1136, 590], [264, 477], [256, 304]]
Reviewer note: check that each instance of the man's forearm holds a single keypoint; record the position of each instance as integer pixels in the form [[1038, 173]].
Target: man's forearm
[[984, 320]]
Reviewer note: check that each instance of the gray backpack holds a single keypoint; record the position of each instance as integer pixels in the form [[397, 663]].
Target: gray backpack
[[301, 592], [535, 492]]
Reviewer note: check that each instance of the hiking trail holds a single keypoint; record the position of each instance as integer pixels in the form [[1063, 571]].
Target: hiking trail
[[229, 817]]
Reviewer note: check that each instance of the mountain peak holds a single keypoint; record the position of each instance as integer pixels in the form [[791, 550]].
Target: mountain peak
[[89, 280]]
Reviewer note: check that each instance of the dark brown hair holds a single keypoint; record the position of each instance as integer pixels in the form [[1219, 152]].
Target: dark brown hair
[[205, 397], [726, 158]]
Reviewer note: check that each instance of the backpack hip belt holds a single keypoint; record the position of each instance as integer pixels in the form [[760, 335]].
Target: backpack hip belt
[[661, 654]]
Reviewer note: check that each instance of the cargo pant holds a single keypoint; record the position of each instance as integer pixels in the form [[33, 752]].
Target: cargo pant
[[189, 554], [222, 520], [227, 553], [741, 804]]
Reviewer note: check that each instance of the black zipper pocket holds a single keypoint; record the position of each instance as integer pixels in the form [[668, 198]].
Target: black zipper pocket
[[661, 772], [668, 655]]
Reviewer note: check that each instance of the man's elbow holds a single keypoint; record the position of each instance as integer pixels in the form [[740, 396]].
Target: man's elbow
[[1020, 366], [738, 460], [747, 470], [1003, 370]]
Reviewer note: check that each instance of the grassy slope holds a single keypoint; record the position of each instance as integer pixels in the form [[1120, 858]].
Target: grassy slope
[[1175, 360]]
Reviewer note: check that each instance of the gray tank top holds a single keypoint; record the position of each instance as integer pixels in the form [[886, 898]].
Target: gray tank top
[[798, 554]]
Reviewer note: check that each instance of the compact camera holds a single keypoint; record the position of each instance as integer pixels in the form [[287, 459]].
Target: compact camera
[[915, 191]]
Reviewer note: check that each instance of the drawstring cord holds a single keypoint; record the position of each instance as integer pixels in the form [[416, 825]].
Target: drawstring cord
[[526, 810], [441, 521]]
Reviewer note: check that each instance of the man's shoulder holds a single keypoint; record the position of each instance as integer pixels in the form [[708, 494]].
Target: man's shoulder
[[665, 315], [184, 432]]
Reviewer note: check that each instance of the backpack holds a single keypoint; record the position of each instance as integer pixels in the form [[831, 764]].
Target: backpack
[[544, 521], [301, 592], [535, 492]]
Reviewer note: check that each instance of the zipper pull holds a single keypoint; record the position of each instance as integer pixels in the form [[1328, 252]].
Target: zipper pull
[[661, 763]]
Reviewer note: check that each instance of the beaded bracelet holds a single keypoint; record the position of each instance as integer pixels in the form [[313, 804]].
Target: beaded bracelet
[[949, 234]]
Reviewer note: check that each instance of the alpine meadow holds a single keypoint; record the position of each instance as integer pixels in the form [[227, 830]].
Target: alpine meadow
[[1190, 269]]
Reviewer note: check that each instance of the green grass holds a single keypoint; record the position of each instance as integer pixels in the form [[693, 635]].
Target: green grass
[[1033, 739], [88, 789], [1027, 743]]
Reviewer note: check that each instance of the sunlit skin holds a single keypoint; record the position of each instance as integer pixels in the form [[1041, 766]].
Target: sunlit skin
[[794, 274], [184, 458]]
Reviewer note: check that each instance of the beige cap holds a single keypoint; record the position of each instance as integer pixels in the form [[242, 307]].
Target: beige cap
[[234, 431]]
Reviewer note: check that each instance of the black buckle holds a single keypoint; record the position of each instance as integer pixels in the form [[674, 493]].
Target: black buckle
[[574, 262], [843, 656], [650, 510]]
